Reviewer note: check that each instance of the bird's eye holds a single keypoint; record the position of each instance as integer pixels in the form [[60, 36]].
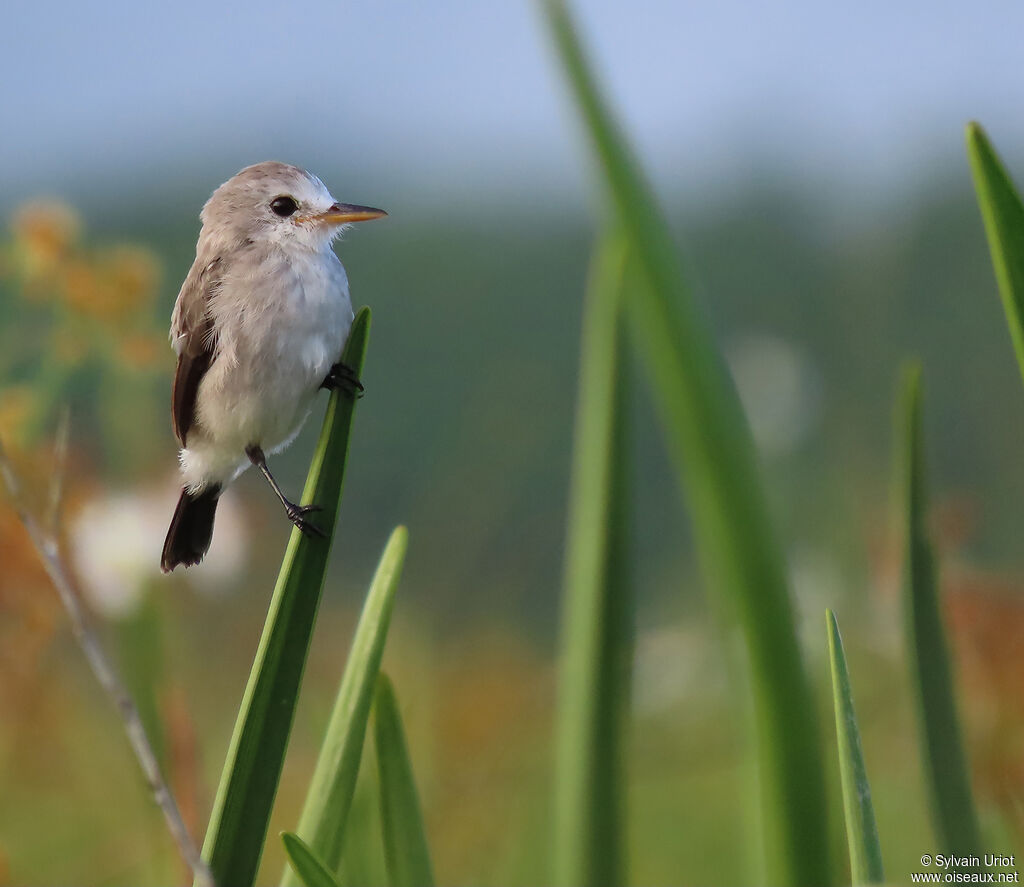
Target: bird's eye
[[283, 206]]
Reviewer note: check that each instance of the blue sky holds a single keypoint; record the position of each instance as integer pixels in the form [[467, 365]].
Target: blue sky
[[466, 93]]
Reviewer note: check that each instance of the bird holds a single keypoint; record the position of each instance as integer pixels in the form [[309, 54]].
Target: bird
[[258, 328]]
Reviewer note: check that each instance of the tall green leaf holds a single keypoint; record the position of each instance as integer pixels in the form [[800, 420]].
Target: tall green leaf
[[1003, 214], [714, 456], [598, 609], [861, 832], [405, 840], [241, 811], [946, 773], [309, 868], [322, 823]]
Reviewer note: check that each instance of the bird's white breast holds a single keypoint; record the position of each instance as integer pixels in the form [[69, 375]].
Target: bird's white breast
[[282, 323]]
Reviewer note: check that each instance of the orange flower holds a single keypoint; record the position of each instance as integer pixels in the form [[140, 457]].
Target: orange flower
[[113, 288], [143, 351], [28, 613], [985, 612]]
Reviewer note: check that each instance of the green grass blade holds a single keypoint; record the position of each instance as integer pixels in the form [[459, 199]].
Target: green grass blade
[[861, 832], [309, 869], [322, 823], [714, 456], [362, 858], [598, 610], [405, 840], [1003, 214], [946, 773], [241, 811]]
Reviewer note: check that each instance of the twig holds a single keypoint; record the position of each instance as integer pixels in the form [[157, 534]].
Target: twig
[[47, 545]]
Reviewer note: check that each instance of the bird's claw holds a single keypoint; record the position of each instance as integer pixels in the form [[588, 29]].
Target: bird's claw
[[342, 377], [296, 516]]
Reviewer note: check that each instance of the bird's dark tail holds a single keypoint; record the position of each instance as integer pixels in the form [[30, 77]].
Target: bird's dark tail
[[191, 530]]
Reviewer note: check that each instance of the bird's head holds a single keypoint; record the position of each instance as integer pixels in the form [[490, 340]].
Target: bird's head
[[276, 203]]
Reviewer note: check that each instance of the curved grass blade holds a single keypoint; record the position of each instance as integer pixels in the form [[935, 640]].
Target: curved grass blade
[[1003, 214], [714, 456], [322, 823], [241, 811], [405, 842], [861, 832], [946, 773], [597, 622], [309, 869]]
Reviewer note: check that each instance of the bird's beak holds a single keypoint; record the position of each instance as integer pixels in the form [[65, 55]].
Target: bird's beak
[[343, 213]]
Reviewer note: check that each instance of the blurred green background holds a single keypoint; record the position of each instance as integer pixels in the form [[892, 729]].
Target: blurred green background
[[826, 215]]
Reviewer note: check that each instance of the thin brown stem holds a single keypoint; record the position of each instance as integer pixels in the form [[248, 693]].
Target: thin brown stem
[[46, 543]]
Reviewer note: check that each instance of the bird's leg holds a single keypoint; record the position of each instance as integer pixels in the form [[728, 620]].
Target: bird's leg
[[295, 512], [342, 377]]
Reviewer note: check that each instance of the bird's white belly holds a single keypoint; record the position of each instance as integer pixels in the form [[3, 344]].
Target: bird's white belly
[[274, 352], [266, 400]]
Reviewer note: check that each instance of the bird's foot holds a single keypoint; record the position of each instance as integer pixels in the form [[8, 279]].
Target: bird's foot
[[296, 514], [343, 378]]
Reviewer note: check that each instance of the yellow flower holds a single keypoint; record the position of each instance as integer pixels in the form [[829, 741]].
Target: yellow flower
[[44, 233], [133, 275], [83, 290]]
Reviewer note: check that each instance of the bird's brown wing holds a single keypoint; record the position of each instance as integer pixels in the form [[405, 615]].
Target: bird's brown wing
[[192, 333]]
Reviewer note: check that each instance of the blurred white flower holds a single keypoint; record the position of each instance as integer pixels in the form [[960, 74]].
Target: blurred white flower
[[779, 388], [116, 542], [817, 580], [671, 664]]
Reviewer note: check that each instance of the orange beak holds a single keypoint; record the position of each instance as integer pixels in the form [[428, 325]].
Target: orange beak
[[343, 213]]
